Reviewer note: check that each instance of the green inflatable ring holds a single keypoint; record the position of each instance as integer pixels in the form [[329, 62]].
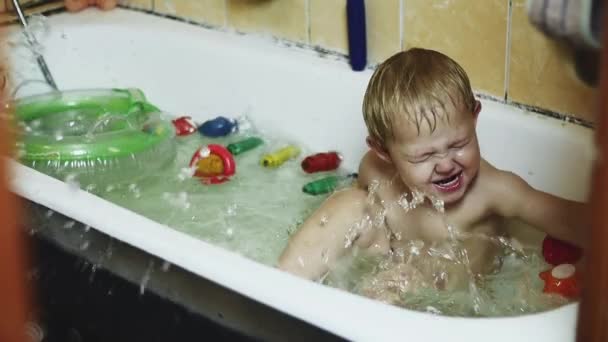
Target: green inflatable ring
[[122, 139], [97, 137]]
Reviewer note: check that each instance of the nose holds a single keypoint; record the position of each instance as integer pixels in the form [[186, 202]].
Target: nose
[[445, 165]]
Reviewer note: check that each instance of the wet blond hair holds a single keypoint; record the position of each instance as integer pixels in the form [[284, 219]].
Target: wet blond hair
[[415, 84]]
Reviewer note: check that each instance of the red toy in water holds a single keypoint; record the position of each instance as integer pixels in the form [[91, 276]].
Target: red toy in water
[[557, 252], [214, 164], [184, 125], [562, 279], [326, 161]]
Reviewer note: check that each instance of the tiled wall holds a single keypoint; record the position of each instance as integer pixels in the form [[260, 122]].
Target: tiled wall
[[529, 68]]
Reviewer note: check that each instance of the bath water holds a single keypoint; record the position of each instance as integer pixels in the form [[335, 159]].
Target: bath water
[[256, 211], [515, 289]]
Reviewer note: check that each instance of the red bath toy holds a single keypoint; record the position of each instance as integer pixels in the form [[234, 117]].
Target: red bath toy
[[184, 125], [562, 279], [214, 164], [321, 162], [558, 252]]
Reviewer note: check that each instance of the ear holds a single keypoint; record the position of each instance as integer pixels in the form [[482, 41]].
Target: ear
[[377, 147], [476, 110]]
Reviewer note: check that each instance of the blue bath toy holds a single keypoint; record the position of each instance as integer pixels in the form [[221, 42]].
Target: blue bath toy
[[218, 127]]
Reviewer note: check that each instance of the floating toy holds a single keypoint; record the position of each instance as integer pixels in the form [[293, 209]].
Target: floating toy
[[218, 127], [558, 252], [244, 145], [184, 125], [277, 158], [213, 164], [326, 185], [321, 162], [96, 133], [562, 280]]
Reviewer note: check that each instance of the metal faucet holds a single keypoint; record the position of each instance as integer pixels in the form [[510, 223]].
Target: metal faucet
[[31, 40]]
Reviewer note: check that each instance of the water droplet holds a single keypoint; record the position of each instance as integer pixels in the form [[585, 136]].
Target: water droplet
[[438, 204], [146, 277], [204, 152], [58, 135], [69, 225], [72, 183], [324, 221], [166, 265], [433, 310], [84, 245], [186, 173], [325, 256], [134, 190], [231, 210]]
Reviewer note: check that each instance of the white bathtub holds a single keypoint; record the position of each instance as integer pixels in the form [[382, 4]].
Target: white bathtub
[[296, 93]]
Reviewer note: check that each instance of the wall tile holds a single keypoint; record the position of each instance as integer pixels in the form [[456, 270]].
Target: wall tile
[[328, 26], [283, 18], [143, 4], [212, 12], [383, 29], [471, 32], [542, 71]]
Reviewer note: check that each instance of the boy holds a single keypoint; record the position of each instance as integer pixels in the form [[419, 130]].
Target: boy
[[421, 117]]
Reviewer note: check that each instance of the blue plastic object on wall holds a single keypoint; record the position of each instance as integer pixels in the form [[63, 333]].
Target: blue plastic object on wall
[[357, 43], [218, 127]]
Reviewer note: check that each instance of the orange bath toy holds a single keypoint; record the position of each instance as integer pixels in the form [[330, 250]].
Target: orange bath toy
[[562, 279], [213, 164]]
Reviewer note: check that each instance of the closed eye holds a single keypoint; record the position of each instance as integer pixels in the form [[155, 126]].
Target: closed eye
[[461, 144], [421, 158]]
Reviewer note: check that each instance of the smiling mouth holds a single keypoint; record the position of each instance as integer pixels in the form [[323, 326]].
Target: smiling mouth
[[449, 184]]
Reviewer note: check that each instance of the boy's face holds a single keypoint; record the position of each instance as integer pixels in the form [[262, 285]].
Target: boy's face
[[443, 162]]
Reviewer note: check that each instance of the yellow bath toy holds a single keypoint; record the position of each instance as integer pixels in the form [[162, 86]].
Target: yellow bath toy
[[212, 165], [277, 158]]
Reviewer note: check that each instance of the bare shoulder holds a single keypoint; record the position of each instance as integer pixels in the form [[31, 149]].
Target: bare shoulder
[[503, 189], [372, 168]]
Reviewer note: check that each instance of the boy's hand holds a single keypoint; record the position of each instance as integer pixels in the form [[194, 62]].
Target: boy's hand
[[79, 5]]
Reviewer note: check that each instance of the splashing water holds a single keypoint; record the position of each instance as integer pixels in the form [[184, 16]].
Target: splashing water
[[146, 277], [398, 279]]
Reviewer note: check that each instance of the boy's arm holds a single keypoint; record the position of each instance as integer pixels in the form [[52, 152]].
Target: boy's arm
[[322, 238], [560, 218]]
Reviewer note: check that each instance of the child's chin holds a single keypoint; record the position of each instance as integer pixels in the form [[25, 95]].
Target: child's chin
[[452, 197]]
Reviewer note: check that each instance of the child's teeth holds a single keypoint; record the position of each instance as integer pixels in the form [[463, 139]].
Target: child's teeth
[[452, 181]]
